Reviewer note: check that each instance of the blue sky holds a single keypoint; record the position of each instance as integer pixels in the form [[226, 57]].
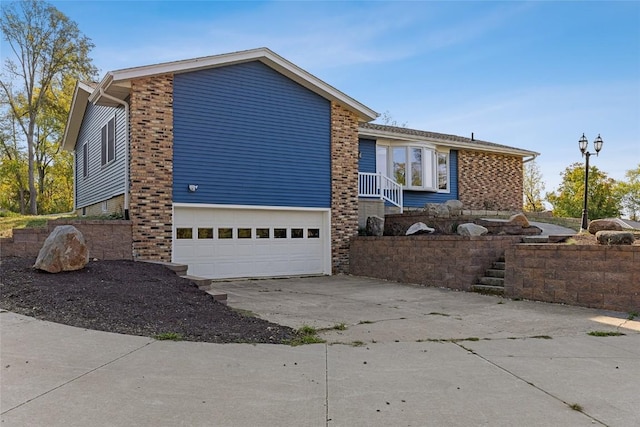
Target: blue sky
[[533, 75]]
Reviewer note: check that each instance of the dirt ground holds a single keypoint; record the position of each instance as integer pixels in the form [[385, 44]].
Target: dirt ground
[[129, 297]]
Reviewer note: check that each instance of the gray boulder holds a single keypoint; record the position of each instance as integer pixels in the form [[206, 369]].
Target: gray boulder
[[436, 210], [454, 207], [471, 229], [612, 237], [63, 250], [604, 224], [419, 228], [375, 226]]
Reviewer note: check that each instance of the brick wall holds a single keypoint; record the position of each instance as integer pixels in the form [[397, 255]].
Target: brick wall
[[344, 185], [105, 239], [450, 261], [151, 166], [490, 181], [606, 277]]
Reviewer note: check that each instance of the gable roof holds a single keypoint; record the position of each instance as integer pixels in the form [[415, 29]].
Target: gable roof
[[453, 141], [117, 83], [76, 113]]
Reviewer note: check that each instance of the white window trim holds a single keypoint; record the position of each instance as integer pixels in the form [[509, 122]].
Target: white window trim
[[106, 125], [433, 168]]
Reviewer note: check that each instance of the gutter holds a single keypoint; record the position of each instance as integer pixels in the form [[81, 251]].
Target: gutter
[[533, 157], [126, 150]]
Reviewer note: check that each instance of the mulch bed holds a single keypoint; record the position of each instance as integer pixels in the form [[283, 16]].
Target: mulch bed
[[129, 297]]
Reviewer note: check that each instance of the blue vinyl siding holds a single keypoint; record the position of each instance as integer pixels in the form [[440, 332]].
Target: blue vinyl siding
[[367, 155], [247, 135], [102, 182]]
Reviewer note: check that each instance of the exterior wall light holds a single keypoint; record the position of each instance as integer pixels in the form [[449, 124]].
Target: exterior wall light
[[193, 188], [583, 144]]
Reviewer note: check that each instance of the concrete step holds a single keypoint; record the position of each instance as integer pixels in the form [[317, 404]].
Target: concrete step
[[219, 296], [201, 282], [488, 289], [499, 265], [491, 281], [494, 273]]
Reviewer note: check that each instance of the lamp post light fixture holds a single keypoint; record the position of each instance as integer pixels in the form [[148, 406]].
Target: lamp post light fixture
[[582, 144]]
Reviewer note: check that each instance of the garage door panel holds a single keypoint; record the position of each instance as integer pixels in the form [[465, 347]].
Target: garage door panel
[[257, 256]]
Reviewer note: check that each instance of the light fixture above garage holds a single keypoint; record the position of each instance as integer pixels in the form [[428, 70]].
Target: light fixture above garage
[[193, 188]]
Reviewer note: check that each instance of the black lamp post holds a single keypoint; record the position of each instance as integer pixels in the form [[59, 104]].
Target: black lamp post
[[582, 143]]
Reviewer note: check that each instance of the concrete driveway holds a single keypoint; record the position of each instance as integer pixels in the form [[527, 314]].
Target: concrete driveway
[[396, 355]]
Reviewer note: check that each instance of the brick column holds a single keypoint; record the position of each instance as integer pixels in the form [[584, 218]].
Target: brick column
[[151, 166], [490, 181], [344, 185]]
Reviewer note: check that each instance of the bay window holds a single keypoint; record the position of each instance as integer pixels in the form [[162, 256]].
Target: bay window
[[416, 167]]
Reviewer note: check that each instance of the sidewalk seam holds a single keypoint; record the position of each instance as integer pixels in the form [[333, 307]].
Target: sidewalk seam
[[76, 378], [593, 419]]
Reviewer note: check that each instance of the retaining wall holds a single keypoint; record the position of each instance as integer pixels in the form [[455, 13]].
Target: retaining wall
[[596, 276], [451, 261], [106, 239]]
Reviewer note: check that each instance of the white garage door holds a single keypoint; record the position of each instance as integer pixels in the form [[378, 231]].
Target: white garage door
[[250, 242]]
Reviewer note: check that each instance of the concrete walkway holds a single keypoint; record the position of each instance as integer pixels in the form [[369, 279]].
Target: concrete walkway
[[400, 355]]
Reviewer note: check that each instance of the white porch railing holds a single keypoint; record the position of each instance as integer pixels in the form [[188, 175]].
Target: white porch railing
[[377, 185]]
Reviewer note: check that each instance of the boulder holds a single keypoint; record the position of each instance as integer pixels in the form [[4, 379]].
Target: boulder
[[375, 226], [519, 219], [612, 237], [419, 228], [471, 229], [454, 207], [63, 250], [604, 224], [436, 210]]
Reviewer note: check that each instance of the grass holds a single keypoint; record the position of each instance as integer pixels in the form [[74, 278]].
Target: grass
[[605, 333], [340, 326], [168, 336], [576, 407], [306, 335], [243, 312], [632, 315]]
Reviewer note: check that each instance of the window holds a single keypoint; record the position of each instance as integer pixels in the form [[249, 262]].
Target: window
[[313, 233], [414, 166], [205, 233], [280, 233], [184, 233], [85, 159], [244, 233], [225, 233], [443, 172], [262, 233], [297, 233], [108, 142]]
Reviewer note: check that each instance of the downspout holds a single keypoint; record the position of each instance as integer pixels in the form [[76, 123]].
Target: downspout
[[531, 159], [126, 150]]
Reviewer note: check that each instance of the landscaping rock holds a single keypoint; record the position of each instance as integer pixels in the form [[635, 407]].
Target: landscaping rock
[[375, 226], [519, 219], [454, 207], [604, 224], [63, 250], [611, 237], [419, 228], [471, 229], [437, 210]]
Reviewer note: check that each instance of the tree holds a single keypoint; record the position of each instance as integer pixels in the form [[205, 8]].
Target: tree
[[387, 119], [602, 201], [629, 193], [47, 47], [533, 188]]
